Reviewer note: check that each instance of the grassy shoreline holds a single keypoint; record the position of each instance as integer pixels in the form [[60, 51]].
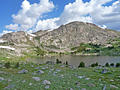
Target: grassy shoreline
[[60, 76]]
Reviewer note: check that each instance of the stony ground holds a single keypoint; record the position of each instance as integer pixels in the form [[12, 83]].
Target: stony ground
[[29, 76]]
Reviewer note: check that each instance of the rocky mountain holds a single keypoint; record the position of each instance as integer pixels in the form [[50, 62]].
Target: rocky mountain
[[18, 42], [74, 33], [61, 39]]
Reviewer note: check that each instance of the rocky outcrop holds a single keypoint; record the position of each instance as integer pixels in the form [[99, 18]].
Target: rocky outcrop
[[74, 33], [61, 39], [20, 41]]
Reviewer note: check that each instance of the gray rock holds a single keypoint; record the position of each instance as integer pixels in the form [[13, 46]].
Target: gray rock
[[50, 62], [23, 81], [54, 74], [9, 80], [71, 88], [2, 72], [30, 84], [62, 66], [112, 80], [113, 86], [52, 69], [46, 82], [83, 89], [91, 85], [43, 68], [36, 78], [37, 68], [10, 86], [77, 83], [72, 67], [1, 79], [32, 65], [1, 66], [80, 77], [47, 87], [23, 71], [58, 70], [87, 78], [104, 71], [61, 76], [104, 88], [40, 72]]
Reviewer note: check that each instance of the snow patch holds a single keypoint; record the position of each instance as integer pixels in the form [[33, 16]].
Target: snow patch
[[7, 47], [32, 34], [103, 26], [2, 41]]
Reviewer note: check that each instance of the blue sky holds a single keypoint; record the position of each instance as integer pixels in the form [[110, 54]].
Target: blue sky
[[14, 6], [105, 13]]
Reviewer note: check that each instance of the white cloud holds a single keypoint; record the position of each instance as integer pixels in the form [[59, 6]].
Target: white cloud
[[12, 27], [94, 11], [30, 17], [77, 11], [29, 14], [47, 24]]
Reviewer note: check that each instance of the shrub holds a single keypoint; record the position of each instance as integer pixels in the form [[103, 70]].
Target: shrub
[[7, 65], [57, 61], [96, 64], [17, 65], [66, 63], [93, 65], [39, 51], [117, 64], [112, 64], [82, 64], [107, 65]]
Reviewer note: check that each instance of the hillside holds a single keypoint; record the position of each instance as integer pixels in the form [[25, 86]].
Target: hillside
[[74, 33], [59, 40]]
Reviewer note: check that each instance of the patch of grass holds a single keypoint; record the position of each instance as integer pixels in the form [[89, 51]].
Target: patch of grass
[[64, 79]]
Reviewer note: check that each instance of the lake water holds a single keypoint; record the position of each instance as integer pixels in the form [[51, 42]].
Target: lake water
[[75, 60]]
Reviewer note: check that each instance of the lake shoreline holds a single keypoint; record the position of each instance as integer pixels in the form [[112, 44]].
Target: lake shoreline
[[57, 76]]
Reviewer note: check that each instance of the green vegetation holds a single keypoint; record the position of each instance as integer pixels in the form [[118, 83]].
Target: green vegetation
[[65, 78], [17, 65], [7, 65], [94, 64], [66, 63], [58, 61], [117, 64], [87, 48], [112, 64], [53, 47], [39, 51], [82, 64], [111, 49], [107, 65]]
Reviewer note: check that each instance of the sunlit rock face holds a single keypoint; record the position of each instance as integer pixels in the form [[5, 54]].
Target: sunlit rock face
[[60, 39], [74, 33]]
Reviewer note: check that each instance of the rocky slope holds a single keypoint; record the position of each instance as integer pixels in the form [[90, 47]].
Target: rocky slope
[[18, 42], [59, 40], [72, 34]]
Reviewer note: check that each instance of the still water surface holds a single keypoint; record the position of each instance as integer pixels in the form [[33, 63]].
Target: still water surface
[[75, 60]]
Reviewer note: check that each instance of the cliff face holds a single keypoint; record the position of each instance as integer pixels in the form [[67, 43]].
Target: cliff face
[[61, 39], [19, 42], [74, 33]]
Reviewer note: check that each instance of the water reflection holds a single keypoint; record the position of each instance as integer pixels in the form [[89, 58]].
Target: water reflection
[[75, 60]]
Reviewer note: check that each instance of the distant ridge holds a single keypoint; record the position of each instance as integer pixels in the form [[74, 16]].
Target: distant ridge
[[60, 39]]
